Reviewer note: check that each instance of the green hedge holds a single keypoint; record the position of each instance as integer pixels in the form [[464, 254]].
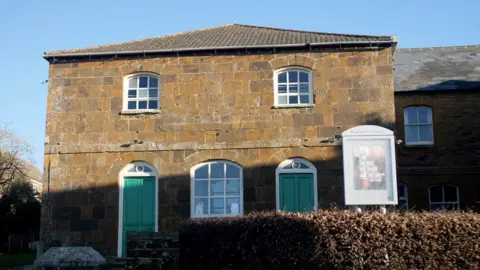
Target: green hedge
[[332, 239]]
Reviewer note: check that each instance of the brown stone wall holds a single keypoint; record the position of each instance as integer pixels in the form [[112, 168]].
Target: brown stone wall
[[212, 107], [84, 196], [455, 156]]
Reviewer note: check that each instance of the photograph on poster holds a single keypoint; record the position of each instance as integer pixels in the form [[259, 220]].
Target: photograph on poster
[[369, 167]]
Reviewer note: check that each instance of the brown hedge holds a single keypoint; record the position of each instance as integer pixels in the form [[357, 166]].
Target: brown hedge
[[333, 239]]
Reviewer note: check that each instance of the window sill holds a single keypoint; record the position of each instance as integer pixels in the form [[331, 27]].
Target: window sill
[[210, 216], [293, 106], [140, 112], [431, 145]]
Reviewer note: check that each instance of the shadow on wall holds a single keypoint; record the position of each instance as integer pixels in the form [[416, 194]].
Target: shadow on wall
[[89, 215]]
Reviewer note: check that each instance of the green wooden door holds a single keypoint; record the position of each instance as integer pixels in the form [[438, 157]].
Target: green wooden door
[[296, 192], [138, 206]]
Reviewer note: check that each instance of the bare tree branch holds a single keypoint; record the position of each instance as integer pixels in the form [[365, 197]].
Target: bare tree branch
[[13, 153]]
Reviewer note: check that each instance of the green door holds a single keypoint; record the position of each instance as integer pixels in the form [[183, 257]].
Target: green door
[[138, 206], [296, 192]]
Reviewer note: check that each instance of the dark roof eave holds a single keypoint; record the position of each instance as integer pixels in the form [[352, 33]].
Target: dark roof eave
[[433, 91], [320, 44]]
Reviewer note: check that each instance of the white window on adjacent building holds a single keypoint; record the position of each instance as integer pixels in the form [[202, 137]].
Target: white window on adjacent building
[[293, 87], [444, 197], [217, 189], [418, 125], [141, 92], [402, 197]]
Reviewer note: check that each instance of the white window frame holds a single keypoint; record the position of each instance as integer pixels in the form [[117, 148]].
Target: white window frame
[[430, 124], [126, 87], [280, 170], [443, 202], [275, 87], [405, 197], [192, 189]]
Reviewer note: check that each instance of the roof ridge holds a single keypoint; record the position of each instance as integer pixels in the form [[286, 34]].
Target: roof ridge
[[306, 31], [141, 39], [438, 48]]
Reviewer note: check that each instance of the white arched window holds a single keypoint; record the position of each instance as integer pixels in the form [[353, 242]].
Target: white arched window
[[418, 125], [141, 92], [444, 197], [217, 189], [293, 87], [402, 196]]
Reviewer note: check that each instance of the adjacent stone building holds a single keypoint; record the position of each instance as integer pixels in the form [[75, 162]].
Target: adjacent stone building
[[437, 103], [144, 134]]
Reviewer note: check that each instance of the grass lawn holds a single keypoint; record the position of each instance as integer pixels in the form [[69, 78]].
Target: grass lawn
[[16, 258]]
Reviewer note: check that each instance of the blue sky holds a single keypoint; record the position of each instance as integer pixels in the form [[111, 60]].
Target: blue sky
[[29, 28]]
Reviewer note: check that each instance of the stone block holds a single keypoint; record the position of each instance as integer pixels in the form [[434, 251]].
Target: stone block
[[357, 61], [265, 86], [172, 69], [339, 83], [98, 212], [311, 132], [191, 68], [66, 213], [358, 95], [83, 225], [231, 135], [189, 136], [341, 118], [323, 132], [261, 65], [279, 62], [374, 94], [304, 120], [383, 70], [189, 87], [116, 104], [230, 88], [335, 63], [253, 134], [107, 80], [83, 91], [269, 134], [249, 195]]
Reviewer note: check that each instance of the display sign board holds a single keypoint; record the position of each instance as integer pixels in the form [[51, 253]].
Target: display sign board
[[369, 166]]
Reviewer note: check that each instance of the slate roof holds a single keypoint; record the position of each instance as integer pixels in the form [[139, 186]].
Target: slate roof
[[441, 68], [231, 36]]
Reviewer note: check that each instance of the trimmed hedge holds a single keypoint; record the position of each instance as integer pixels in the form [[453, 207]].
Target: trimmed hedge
[[333, 239]]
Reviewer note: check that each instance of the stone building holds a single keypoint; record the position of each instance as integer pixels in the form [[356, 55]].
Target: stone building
[[221, 121], [437, 104]]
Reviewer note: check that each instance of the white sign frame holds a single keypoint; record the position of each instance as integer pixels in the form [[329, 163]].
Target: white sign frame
[[366, 138]]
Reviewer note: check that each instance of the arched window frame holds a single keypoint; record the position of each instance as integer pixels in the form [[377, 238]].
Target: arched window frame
[[149, 89], [281, 169], [404, 198], [444, 203], [209, 196], [416, 124], [127, 172], [276, 87]]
